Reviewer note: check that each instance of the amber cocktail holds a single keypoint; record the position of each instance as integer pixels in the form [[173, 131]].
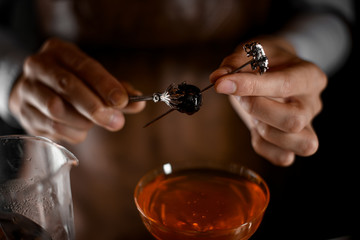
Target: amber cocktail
[[187, 201]]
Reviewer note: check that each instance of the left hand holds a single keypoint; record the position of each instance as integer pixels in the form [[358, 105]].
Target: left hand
[[278, 106]]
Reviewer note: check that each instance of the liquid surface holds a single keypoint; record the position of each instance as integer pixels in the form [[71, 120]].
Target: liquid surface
[[201, 200]]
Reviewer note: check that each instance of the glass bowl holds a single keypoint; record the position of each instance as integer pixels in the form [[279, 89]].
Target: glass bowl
[[198, 201]]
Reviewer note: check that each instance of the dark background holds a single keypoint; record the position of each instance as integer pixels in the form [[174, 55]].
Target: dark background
[[316, 198]]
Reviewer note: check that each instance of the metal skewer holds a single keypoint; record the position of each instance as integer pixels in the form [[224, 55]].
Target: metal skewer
[[259, 60], [157, 118], [235, 71], [156, 97], [140, 98], [254, 50]]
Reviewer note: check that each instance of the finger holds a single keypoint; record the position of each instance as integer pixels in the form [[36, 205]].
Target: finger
[[298, 79], [91, 71], [304, 143], [245, 116], [134, 107], [286, 116], [273, 153], [229, 64], [53, 106], [37, 123], [75, 92]]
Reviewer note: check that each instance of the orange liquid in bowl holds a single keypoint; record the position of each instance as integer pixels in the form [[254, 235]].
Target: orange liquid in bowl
[[202, 204]]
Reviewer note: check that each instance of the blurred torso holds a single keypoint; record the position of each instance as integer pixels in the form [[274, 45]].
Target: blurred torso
[[156, 43]]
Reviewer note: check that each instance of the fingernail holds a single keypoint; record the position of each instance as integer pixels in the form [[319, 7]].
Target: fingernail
[[219, 73], [260, 128], [109, 118], [226, 87], [245, 103], [255, 121], [117, 97], [116, 121]]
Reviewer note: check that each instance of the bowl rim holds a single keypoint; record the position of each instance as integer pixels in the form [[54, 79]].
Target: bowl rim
[[231, 167]]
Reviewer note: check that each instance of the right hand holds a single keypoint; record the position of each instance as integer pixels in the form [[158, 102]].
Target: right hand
[[62, 93], [279, 106]]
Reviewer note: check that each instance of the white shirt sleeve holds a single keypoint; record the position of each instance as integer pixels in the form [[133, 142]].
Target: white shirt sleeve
[[11, 60], [322, 37]]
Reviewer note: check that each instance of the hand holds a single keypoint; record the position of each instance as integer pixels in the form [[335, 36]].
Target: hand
[[277, 106], [62, 93]]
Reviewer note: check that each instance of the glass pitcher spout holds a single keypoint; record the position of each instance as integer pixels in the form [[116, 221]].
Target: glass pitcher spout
[[69, 156]]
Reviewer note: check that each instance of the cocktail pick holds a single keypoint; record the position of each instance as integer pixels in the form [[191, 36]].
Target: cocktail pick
[[187, 98], [184, 98], [259, 60]]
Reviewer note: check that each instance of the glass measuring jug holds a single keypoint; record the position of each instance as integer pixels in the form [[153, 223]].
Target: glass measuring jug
[[35, 193]]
